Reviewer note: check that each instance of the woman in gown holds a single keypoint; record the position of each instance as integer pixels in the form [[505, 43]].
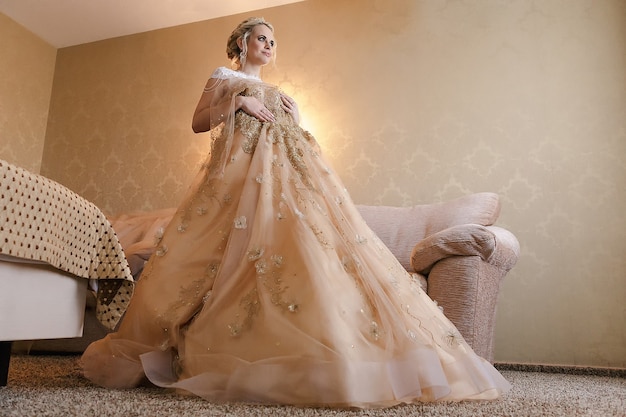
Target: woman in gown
[[267, 286]]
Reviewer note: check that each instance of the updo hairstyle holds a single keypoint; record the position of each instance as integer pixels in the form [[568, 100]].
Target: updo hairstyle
[[236, 54]]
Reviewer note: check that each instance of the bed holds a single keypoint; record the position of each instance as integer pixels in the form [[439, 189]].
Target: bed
[[55, 249]]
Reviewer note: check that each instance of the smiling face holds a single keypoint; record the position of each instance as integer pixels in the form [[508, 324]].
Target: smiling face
[[260, 46]]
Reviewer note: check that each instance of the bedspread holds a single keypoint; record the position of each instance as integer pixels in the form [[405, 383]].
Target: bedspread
[[41, 220]]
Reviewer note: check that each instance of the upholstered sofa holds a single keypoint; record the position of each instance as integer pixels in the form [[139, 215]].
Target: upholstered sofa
[[458, 253], [453, 248]]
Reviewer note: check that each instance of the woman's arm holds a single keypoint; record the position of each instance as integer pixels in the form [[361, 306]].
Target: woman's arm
[[206, 110], [209, 114]]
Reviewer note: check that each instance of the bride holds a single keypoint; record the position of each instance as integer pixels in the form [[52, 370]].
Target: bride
[[267, 286]]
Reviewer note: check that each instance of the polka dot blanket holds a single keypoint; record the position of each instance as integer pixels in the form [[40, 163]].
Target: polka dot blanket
[[41, 220]]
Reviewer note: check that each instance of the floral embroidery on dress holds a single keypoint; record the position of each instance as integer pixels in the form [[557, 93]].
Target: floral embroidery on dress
[[374, 330], [319, 234], [241, 222], [211, 270], [250, 128], [273, 282], [251, 307], [288, 136], [261, 267], [452, 338], [255, 254], [189, 298]]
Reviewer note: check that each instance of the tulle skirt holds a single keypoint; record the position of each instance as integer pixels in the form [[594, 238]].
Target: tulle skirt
[[268, 287]]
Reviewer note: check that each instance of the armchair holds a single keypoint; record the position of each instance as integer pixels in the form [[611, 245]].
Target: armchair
[[460, 257]]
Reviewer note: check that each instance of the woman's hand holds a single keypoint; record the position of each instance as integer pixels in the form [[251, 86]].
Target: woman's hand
[[255, 108], [291, 107]]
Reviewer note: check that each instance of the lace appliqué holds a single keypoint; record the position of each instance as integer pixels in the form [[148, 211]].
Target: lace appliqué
[[240, 222], [250, 304], [272, 278], [269, 274], [319, 234], [292, 140], [189, 299], [452, 338], [251, 129]]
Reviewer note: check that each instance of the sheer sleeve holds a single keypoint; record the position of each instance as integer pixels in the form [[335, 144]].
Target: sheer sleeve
[[218, 101]]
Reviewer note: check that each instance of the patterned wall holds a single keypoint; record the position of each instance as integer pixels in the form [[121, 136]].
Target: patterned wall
[[26, 73], [414, 102]]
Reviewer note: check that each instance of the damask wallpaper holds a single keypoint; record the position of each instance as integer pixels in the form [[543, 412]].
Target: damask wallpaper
[[413, 101], [26, 73]]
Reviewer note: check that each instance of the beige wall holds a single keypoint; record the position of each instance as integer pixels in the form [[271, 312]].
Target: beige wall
[[26, 72], [414, 102]]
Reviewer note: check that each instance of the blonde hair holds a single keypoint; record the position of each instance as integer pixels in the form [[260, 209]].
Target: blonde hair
[[236, 54]]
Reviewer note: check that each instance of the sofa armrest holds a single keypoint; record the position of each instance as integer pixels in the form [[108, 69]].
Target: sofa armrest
[[467, 289], [492, 244], [464, 267]]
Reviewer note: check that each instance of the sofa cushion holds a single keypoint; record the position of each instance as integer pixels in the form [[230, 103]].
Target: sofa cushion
[[462, 240], [400, 228]]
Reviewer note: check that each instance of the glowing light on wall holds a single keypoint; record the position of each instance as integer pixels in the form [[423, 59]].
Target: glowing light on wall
[[308, 99]]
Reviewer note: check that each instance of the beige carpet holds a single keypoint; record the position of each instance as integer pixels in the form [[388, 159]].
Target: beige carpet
[[53, 386]]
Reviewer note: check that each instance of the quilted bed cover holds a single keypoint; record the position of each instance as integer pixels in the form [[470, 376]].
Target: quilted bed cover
[[43, 221]]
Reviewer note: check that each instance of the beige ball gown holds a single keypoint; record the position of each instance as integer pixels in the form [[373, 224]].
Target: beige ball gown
[[268, 287]]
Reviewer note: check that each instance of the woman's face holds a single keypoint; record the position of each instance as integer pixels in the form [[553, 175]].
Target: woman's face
[[261, 45]]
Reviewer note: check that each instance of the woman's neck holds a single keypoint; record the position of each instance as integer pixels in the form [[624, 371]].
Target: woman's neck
[[251, 70]]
